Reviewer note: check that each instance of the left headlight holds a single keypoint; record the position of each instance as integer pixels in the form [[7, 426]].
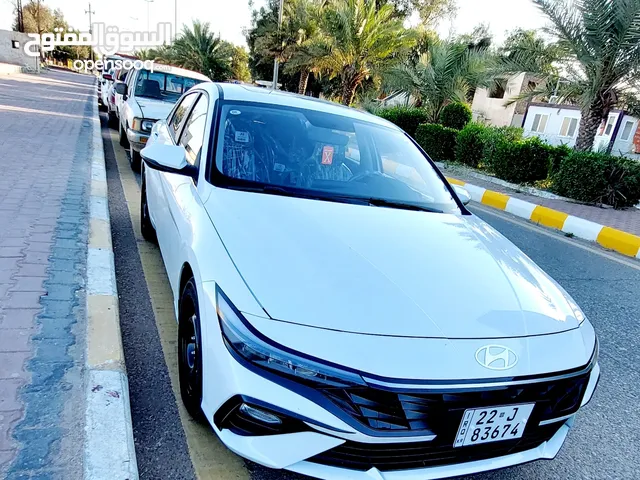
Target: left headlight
[[242, 339], [142, 124]]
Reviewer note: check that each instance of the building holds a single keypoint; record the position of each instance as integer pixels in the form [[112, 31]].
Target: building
[[12, 51], [559, 124], [490, 104]]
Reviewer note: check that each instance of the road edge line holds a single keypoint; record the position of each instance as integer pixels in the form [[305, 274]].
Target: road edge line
[[611, 238], [109, 451]]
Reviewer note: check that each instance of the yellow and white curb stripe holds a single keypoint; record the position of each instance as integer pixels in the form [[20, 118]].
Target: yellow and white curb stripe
[[611, 238], [109, 448]]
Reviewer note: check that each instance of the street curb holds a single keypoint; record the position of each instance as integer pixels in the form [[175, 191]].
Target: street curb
[[109, 448], [611, 238]]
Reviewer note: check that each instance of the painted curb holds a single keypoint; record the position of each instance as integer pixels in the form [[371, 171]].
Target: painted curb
[[109, 452], [611, 238]]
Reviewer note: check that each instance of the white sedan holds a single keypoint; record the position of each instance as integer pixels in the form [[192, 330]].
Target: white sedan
[[341, 313]]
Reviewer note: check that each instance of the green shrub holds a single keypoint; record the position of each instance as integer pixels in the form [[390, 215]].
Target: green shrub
[[598, 178], [438, 141], [470, 145], [557, 156], [456, 115], [521, 161], [407, 118]]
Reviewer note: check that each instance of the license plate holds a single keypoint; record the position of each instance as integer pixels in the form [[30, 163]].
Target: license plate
[[492, 424]]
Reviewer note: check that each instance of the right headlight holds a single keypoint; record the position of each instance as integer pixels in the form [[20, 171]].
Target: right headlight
[[242, 339]]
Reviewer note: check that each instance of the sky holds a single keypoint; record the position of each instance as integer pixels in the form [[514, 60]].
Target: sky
[[229, 17]]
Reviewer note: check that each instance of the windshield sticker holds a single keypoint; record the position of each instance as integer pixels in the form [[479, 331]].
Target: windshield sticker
[[327, 155], [242, 137], [234, 112], [278, 167]]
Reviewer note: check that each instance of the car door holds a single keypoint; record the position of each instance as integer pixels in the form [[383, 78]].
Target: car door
[[177, 193]]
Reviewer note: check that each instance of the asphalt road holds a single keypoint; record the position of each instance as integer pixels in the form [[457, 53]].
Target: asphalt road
[[605, 443]]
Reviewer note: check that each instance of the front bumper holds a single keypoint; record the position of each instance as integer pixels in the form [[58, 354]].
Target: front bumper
[[322, 449], [137, 140]]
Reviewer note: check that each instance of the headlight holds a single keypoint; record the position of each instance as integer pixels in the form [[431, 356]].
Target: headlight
[[241, 338], [577, 311], [142, 124]]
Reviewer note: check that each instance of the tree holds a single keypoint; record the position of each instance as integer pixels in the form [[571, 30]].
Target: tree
[[358, 42], [527, 51], [446, 73], [37, 17], [599, 43], [431, 11], [240, 64], [198, 49]]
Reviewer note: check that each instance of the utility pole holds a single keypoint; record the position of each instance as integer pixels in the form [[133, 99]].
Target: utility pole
[[90, 12], [276, 62], [148, 3], [175, 20]]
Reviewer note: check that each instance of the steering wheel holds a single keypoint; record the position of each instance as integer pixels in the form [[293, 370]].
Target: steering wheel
[[362, 176]]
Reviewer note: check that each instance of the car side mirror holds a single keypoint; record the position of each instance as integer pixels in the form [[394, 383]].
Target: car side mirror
[[121, 88], [463, 194], [169, 159], [107, 76]]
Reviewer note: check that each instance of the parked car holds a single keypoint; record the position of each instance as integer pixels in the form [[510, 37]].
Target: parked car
[[147, 97], [341, 314], [105, 80], [114, 98]]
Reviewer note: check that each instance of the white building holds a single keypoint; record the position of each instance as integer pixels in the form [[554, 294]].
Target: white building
[[559, 124], [490, 104]]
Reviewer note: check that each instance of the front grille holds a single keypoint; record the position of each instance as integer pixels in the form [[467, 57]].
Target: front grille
[[406, 456], [440, 413]]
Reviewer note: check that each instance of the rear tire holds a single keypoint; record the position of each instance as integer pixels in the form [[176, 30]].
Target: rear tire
[[135, 159], [148, 232], [190, 351]]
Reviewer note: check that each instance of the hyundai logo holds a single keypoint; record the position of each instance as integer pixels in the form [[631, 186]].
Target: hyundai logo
[[496, 357]]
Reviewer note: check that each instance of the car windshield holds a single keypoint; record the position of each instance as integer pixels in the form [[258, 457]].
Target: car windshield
[[163, 86], [313, 154]]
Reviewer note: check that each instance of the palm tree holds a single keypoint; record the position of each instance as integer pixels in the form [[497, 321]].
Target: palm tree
[[200, 50], [446, 73], [599, 41], [358, 42], [302, 19]]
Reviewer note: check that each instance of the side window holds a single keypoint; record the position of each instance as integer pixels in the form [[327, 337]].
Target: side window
[[179, 113], [193, 132]]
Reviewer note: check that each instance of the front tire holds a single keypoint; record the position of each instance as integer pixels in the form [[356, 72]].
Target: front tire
[[124, 141], [113, 120], [148, 232], [190, 351], [135, 160]]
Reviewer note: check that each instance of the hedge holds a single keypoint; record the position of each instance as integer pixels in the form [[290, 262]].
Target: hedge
[[598, 178], [456, 115], [476, 143], [470, 145], [522, 161], [407, 118], [438, 141]]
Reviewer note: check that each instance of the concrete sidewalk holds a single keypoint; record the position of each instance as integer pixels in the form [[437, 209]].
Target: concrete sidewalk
[[45, 162]]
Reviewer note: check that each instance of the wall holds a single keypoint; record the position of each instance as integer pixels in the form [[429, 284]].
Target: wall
[[16, 56], [557, 114], [493, 110]]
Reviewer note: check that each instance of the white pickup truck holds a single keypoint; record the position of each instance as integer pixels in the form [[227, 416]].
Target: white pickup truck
[[146, 98]]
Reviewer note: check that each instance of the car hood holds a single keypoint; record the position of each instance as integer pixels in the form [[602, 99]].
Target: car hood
[[383, 271], [154, 109]]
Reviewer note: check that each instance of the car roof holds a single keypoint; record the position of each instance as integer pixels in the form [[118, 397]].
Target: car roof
[[246, 93]]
